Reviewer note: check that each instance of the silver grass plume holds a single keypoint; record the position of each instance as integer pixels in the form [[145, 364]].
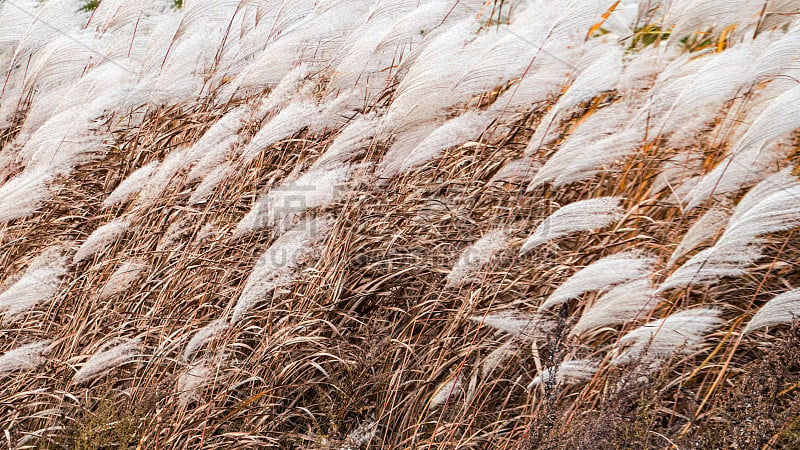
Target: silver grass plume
[[38, 284], [605, 272], [622, 304], [210, 182], [277, 265], [754, 153], [122, 278], [102, 238], [444, 392], [351, 141], [782, 309], [476, 256], [215, 142], [771, 206], [25, 357], [313, 189], [456, 131], [497, 356], [131, 185], [517, 171], [217, 145], [680, 333], [584, 215], [178, 231], [204, 335], [517, 324], [567, 373], [290, 120], [165, 173], [360, 436], [599, 73], [22, 195], [603, 138], [712, 222], [678, 174], [106, 359], [191, 382]]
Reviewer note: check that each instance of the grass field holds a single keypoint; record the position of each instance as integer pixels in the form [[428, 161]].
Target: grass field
[[509, 224]]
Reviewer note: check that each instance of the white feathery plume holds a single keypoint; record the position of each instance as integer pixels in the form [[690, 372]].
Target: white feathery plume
[[210, 183], [476, 256], [262, 71], [38, 284], [293, 118], [122, 278], [219, 138], [720, 79], [348, 145], [15, 20], [64, 140], [712, 222], [277, 265], [334, 112], [456, 131], [404, 142], [609, 271], [25, 357], [361, 64], [50, 20], [621, 304], [444, 391], [771, 206], [178, 231], [780, 58], [192, 381], [601, 73], [603, 138], [158, 182], [221, 154], [22, 195], [427, 88], [712, 264], [426, 18], [496, 357], [782, 12], [744, 111], [132, 184], [784, 308], [680, 333], [668, 85], [603, 153], [567, 373], [315, 188], [737, 171], [314, 37], [543, 81], [62, 60], [700, 15], [117, 13], [515, 324], [640, 72], [102, 238], [282, 94], [106, 359], [584, 215], [204, 335], [754, 153], [517, 171]]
